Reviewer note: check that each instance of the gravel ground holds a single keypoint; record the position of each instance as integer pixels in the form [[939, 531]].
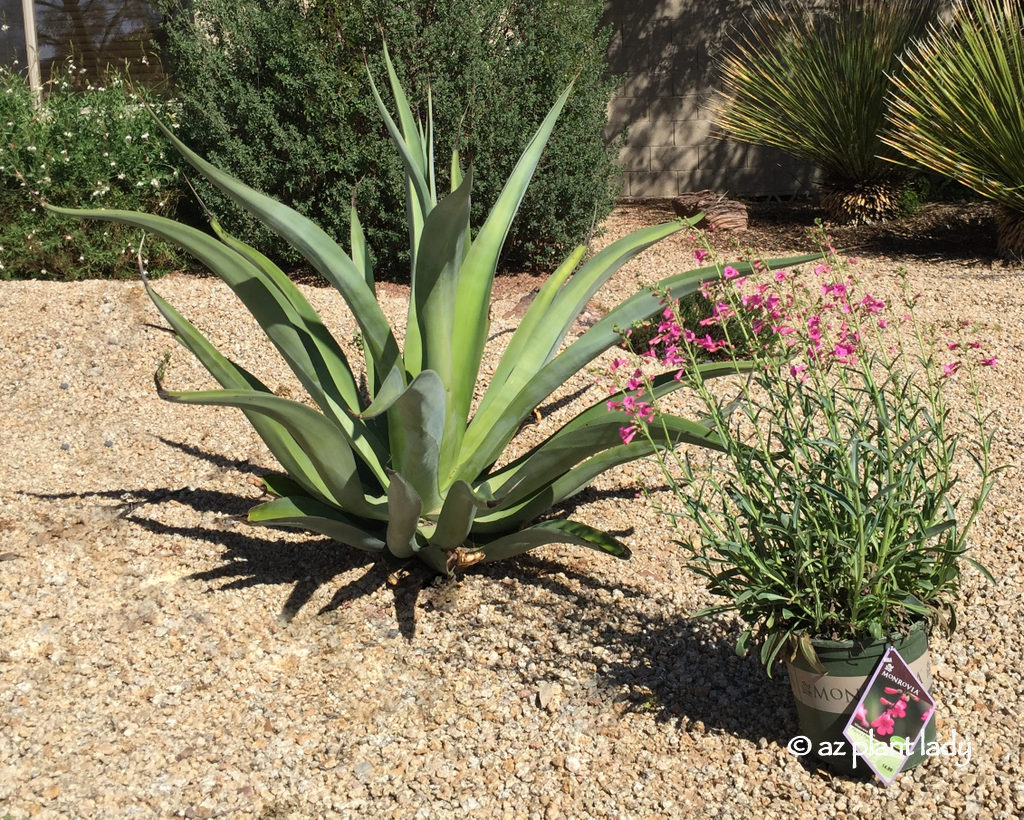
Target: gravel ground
[[159, 657]]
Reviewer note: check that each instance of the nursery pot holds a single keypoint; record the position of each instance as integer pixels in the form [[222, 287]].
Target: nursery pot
[[824, 703]]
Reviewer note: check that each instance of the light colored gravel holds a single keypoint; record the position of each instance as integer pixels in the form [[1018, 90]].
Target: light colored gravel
[[159, 657]]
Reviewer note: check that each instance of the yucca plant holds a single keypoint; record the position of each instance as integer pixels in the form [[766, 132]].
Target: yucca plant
[[957, 108], [407, 470], [814, 84]]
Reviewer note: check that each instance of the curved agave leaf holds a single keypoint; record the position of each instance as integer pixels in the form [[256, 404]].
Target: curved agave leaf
[[519, 345], [304, 513], [279, 441], [324, 443], [404, 508], [458, 513], [285, 327], [553, 532], [596, 429], [672, 432], [315, 246], [416, 421]]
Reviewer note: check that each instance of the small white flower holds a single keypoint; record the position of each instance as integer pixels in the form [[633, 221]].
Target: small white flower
[[145, 136], [128, 137]]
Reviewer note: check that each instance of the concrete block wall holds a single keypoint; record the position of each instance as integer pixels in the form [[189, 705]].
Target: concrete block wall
[[667, 51]]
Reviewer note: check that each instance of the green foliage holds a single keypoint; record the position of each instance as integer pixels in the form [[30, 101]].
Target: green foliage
[[89, 146], [403, 469], [956, 103], [278, 95], [840, 507], [814, 84]]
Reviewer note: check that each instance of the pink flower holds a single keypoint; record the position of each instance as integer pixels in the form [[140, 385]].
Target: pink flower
[[730, 272], [949, 369], [883, 724], [780, 276], [989, 362], [617, 363], [870, 304], [627, 433], [797, 371], [952, 346], [861, 715], [899, 709], [700, 255], [927, 714]]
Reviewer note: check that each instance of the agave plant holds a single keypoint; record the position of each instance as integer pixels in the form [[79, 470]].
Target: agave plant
[[814, 84], [956, 107], [407, 470]]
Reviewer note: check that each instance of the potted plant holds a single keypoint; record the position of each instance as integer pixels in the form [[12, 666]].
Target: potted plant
[[835, 519]]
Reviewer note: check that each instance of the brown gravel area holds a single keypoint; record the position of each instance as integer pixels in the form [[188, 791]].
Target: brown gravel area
[[159, 657]]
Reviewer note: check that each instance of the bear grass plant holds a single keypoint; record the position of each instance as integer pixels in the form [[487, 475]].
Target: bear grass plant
[[88, 145], [814, 83], [955, 107], [404, 471]]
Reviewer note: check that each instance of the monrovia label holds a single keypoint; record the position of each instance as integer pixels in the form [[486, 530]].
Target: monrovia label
[[890, 718], [836, 693]]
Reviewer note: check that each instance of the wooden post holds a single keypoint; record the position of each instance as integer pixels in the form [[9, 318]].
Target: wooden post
[[35, 81]]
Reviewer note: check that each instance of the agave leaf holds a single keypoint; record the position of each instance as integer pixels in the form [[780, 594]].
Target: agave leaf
[[478, 269], [324, 355], [404, 508], [416, 422], [315, 246], [325, 444], [304, 513], [455, 521], [553, 532], [410, 147], [518, 507], [361, 259], [435, 284], [597, 429], [571, 300], [524, 335], [552, 325], [279, 441]]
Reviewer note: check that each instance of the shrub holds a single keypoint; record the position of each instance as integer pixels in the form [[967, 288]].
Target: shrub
[[956, 107], [405, 471], [279, 95], [87, 145], [814, 84]]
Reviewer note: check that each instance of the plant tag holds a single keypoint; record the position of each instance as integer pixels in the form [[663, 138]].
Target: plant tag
[[890, 718]]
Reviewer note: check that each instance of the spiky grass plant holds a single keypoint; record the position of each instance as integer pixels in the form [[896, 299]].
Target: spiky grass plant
[[408, 471], [814, 84], [958, 107]]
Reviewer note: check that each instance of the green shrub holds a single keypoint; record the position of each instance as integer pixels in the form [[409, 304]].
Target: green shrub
[[278, 95], [956, 110], [814, 84], [406, 471], [88, 145]]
